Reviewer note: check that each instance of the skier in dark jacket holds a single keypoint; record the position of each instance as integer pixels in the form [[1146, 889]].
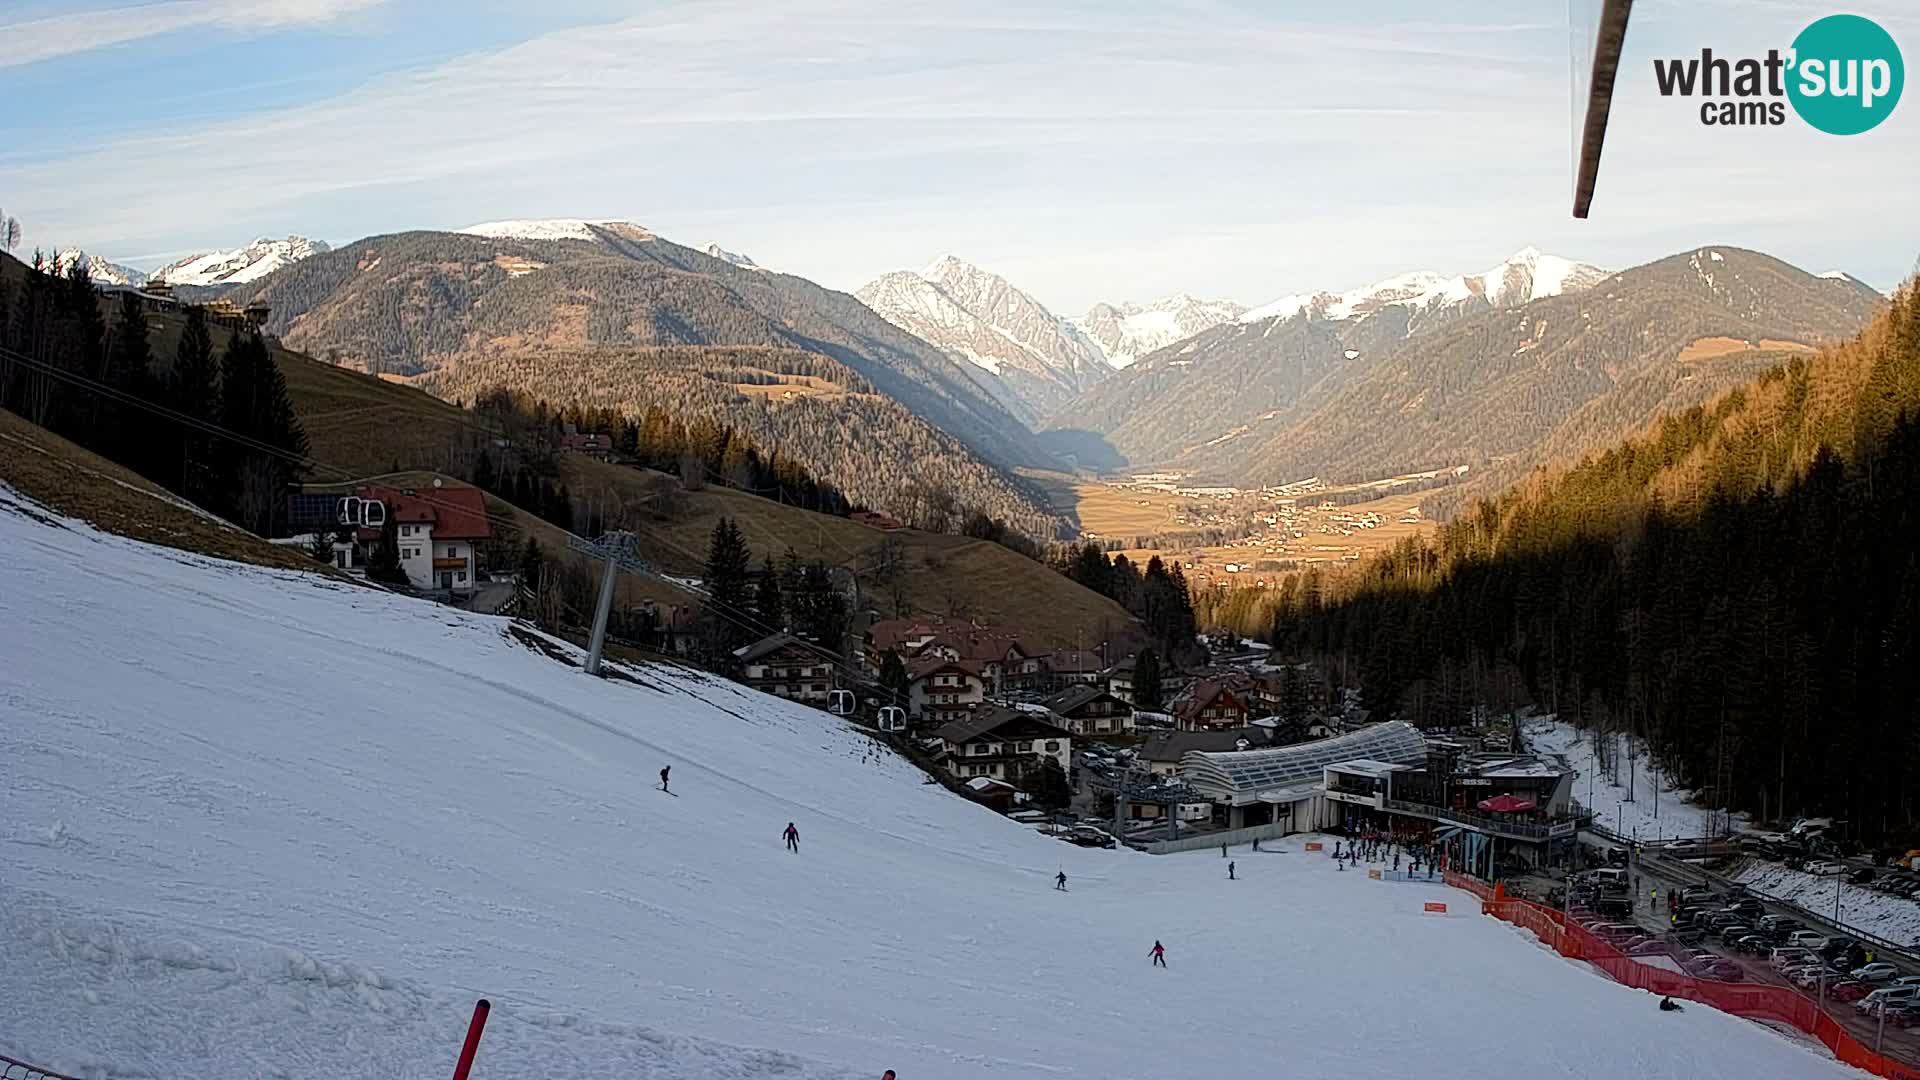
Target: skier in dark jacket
[[1159, 954], [663, 777], [1060, 881], [1667, 1004], [1230, 876], [792, 836]]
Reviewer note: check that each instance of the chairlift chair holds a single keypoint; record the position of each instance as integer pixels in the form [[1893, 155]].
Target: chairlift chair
[[348, 512], [373, 513], [840, 702], [893, 718]]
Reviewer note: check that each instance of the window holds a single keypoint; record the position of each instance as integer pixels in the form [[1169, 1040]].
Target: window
[[450, 553], [1026, 747], [1053, 746], [460, 576], [978, 749]]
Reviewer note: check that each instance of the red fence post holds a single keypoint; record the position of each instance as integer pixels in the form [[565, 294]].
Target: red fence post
[[480, 1009]]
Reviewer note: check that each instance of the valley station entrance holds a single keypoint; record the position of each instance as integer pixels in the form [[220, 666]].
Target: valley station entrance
[[1487, 810]]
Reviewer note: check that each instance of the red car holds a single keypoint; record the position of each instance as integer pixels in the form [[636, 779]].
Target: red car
[[1848, 991]]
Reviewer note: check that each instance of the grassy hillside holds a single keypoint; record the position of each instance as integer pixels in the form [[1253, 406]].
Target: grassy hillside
[[939, 573], [361, 427], [81, 484]]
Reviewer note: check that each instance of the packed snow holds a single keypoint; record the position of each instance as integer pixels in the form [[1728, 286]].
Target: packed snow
[[1673, 814], [1891, 917], [259, 823], [241, 265]]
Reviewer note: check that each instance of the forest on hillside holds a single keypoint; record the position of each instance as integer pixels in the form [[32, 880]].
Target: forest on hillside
[[212, 422], [1740, 587], [868, 447]]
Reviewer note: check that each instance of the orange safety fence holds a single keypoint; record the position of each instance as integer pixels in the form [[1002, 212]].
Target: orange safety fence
[[1777, 1004]]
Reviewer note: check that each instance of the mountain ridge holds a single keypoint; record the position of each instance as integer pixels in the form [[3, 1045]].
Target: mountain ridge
[[1040, 359]]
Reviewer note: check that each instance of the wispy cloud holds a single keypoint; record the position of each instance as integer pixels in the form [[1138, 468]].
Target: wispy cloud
[[35, 40], [1199, 146]]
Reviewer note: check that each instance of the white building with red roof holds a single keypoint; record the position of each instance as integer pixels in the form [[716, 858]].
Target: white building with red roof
[[437, 529]]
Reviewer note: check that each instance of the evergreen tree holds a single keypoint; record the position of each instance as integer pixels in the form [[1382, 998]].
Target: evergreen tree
[[769, 604], [1147, 694], [254, 403], [194, 390], [820, 609], [384, 564], [728, 566], [532, 561], [127, 432]]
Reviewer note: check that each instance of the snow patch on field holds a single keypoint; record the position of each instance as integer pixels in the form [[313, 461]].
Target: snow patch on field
[[262, 825]]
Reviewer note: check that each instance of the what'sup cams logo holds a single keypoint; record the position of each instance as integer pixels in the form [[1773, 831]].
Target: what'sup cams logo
[[1843, 75]]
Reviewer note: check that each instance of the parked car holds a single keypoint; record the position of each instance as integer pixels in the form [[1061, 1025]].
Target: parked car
[[1848, 990], [1752, 945], [1733, 932], [1888, 995], [1806, 939], [1725, 971], [1861, 876], [1824, 868], [1784, 958], [1648, 947], [1875, 973], [1902, 1016], [1906, 980], [1807, 976]]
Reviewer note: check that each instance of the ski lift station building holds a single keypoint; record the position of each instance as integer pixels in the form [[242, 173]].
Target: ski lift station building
[[1287, 784]]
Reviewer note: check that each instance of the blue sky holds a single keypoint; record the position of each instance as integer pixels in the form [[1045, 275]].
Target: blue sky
[[1089, 151]]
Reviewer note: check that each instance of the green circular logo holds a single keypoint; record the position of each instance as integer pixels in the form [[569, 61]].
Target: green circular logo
[[1846, 74]]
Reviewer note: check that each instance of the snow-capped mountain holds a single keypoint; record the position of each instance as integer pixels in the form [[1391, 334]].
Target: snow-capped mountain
[[1126, 332], [102, 271], [1040, 359], [1527, 275], [241, 265], [742, 261]]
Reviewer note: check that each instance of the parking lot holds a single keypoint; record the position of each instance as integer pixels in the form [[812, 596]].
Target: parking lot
[[1709, 955]]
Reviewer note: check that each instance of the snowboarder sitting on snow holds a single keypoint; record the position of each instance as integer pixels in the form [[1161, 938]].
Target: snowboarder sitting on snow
[[1667, 1004], [792, 836], [663, 777], [1159, 954], [1060, 882]]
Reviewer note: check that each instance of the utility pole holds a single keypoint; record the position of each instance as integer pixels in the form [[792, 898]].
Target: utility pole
[[621, 550]]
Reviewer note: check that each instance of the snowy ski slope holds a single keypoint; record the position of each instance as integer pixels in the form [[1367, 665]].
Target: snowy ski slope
[[254, 824]]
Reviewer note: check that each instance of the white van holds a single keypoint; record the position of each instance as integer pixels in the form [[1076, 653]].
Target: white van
[[1888, 995], [1806, 939]]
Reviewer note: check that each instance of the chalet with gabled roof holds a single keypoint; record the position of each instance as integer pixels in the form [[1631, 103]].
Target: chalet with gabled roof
[[1001, 743]]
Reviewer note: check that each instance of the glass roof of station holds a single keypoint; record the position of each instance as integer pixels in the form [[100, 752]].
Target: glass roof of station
[[1396, 743]]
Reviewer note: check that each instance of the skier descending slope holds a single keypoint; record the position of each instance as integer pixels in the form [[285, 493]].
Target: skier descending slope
[[1159, 954], [793, 837], [663, 778], [1060, 881]]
